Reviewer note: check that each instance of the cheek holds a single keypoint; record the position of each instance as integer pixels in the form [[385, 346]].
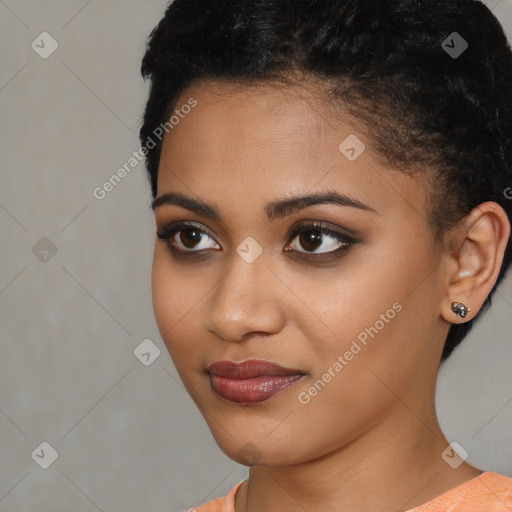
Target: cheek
[[367, 314], [179, 297], [161, 291], [173, 301], [358, 302]]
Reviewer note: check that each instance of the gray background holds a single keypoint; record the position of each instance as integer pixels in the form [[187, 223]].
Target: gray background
[[128, 436]]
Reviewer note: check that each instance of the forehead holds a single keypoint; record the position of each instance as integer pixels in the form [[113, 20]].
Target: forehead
[[267, 112], [274, 141]]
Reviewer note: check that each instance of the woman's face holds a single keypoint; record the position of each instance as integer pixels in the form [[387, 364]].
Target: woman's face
[[355, 309]]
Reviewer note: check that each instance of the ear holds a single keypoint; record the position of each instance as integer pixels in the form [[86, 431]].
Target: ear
[[476, 252]]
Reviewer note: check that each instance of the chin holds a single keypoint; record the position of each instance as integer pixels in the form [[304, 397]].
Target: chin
[[250, 451]]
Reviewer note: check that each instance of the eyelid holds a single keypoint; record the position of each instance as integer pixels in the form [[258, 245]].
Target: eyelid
[[169, 230], [343, 240], [180, 224], [325, 227]]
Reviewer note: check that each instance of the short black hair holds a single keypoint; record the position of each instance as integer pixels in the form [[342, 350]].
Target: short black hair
[[389, 63]]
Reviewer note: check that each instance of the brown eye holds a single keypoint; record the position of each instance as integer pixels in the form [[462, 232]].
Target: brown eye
[[190, 238], [316, 239], [311, 240]]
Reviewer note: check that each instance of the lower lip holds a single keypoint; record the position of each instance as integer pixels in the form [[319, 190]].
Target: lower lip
[[255, 390]]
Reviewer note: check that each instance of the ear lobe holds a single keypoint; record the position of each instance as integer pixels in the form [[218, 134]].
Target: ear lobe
[[484, 233]]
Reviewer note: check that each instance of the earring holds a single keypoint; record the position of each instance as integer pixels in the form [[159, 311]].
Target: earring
[[460, 309]]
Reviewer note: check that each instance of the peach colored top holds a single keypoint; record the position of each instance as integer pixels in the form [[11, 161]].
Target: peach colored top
[[488, 492]]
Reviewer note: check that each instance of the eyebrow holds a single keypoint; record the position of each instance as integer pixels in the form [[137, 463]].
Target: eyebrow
[[273, 210]]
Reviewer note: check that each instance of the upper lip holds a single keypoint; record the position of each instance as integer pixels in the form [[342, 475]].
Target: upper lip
[[249, 369]]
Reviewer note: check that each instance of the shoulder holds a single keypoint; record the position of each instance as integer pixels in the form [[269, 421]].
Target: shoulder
[[225, 504], [488, 492]]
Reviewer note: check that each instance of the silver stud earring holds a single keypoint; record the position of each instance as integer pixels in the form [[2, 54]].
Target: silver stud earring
[[460, 309]]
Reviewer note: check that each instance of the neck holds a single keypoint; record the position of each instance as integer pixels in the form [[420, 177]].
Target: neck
[[394, 467]]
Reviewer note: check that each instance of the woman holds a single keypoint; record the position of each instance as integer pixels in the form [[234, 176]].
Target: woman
[[329, 182]]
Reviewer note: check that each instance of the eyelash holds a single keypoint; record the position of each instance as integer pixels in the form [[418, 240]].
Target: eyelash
[[169, 231]]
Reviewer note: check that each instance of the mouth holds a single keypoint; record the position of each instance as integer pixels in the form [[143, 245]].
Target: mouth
[[251, 381]]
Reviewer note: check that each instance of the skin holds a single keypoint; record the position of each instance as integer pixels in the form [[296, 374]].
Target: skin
[[370, 439]]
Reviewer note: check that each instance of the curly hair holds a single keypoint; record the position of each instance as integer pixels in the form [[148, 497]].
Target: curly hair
[[386, 63]]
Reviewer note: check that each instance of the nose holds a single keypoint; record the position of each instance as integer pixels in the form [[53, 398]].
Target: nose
[[245, 302]]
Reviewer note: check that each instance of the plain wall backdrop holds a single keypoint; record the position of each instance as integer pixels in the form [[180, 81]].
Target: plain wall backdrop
[[75, 296]]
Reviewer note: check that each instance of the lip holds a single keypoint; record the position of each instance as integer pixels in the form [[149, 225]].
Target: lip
[[251, 381], [250, 368]]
